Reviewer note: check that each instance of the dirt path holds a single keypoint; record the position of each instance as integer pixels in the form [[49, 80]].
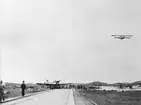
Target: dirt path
[[54, 97]]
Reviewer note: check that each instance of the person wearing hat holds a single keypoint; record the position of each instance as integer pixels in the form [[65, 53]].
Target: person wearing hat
[[23, 87]]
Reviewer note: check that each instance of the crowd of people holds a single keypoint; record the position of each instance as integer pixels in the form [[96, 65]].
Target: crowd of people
[[3, 87]]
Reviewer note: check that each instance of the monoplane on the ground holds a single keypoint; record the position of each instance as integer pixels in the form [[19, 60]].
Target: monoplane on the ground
[[122, 36]]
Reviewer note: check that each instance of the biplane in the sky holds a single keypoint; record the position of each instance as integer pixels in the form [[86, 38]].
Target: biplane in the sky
[[122, 36]]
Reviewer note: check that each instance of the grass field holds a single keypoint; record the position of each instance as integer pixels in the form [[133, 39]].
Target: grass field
[[17, 92], [14, 90], [111, 97]]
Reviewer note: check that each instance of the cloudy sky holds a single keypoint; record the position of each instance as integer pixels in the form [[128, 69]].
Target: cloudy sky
[[70, 40]]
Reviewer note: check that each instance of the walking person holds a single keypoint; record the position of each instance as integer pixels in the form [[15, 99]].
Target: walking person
[[2, 87], [23, 87]]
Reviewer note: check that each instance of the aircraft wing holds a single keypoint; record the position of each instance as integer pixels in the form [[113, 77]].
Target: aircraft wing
[[128, 36], [123, 35]]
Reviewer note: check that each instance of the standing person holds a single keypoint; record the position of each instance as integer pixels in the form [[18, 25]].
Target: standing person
[[23, 87], [2, 87]]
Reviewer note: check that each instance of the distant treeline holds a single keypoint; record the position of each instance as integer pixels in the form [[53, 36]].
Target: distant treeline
[[98, 83]]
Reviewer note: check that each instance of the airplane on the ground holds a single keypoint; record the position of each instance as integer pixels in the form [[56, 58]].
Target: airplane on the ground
[[122, 36], [52, 85]]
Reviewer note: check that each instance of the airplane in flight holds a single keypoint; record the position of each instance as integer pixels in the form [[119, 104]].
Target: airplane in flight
[[122, 36]]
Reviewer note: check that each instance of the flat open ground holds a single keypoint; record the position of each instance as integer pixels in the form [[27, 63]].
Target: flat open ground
[[80, 97], [98, 97], [53, 97]]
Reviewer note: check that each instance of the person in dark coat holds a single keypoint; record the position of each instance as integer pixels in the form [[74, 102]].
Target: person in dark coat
[[23, 87]]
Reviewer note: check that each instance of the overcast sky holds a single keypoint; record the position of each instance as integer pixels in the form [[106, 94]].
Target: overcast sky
[[70, 40]]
